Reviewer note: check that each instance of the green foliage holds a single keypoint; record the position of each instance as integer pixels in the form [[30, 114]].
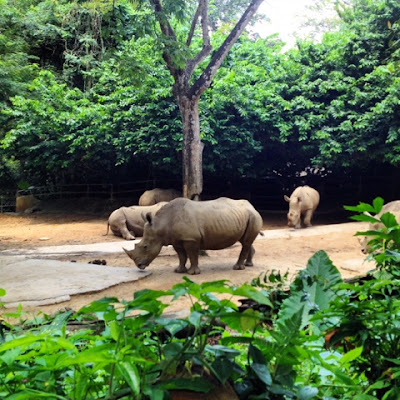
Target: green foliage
[[332, 105], [384, 240], [364, 315], [346, 97]]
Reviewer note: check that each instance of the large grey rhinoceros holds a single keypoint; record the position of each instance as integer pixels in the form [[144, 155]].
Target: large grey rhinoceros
[[154, 196], [128, 222], [190, 226], [394, 208], [302, 202]]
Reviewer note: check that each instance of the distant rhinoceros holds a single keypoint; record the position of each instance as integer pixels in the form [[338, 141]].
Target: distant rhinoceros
[[190, 226], [128, 222], [154, 196], [394, 208], [302, 202]]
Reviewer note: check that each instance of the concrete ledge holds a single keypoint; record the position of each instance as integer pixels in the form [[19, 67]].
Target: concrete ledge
[[40, 282]]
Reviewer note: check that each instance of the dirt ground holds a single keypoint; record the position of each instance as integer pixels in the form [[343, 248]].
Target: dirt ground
[[288, 253]]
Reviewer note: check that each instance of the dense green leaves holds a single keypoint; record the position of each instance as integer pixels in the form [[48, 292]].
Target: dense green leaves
[[84, 89]]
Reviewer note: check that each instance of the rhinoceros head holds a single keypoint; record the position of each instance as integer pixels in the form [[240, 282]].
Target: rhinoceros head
[[148, 248], [294, 214], [293, 218]]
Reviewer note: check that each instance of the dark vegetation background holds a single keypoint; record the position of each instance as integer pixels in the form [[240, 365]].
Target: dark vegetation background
[[85, 99]]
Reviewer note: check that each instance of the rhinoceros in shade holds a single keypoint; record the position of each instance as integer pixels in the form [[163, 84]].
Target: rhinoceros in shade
[[302, 202], [128, 222], [190, 226], [392, 207], [154, 196]]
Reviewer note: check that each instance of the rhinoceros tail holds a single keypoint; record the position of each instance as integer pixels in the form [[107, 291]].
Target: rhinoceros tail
[[108, 226]]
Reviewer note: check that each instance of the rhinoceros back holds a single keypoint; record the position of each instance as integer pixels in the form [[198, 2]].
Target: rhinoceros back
[[309, 197], [215, 224]]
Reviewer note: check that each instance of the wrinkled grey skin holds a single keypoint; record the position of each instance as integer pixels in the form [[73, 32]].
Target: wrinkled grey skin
[[128, 222], [154, 196], [394, 208], [303, 202], [190, 226]]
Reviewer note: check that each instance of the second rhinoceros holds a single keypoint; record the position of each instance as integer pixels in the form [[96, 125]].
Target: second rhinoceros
[[128, 222], [302, 202], [154, 196], [190, 226]]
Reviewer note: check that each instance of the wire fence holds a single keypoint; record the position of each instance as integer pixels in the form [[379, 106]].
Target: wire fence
[[131, 190], [264, 194]]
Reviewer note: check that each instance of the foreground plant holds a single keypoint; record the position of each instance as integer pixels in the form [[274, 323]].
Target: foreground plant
[[365, 315]]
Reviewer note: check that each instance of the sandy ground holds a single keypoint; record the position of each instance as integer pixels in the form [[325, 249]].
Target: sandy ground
[[289, 253]]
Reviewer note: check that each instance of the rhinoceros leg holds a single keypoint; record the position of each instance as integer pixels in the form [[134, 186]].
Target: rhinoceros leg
[[249, 259], [125, 233], [244, 255], [192, 250], [247, 251], [307, 217], [181, 269]]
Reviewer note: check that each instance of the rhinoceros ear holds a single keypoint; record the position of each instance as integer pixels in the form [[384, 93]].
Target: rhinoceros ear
[[286, 198], [148, 218]]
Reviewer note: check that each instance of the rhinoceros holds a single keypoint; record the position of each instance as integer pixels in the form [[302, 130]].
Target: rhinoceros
[[190, 226], [394, 208], [302, 202], [154, 196], [128, 222]]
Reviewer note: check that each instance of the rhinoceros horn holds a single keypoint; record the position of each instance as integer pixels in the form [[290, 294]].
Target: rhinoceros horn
[[129, 252]]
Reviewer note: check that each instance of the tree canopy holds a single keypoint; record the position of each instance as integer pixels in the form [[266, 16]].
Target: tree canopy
[[85, 95]]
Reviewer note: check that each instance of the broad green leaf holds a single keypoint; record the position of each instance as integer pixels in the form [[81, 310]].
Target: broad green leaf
[[351, 355], [311, 290], [365, 218], [307, 392], [21, 342], [222, 368], [253, 294], [389, 220], [378, 204], [361, 207], [131, 376], [173, 349], [219, 350], [249, 319], [262, 371]]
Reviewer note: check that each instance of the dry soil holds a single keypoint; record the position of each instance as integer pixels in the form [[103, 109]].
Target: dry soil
[[288, 253]]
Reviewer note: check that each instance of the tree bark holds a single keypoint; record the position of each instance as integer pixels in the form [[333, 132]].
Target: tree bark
[[192, 168]]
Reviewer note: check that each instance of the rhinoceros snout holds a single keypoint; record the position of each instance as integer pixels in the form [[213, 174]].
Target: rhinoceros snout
[[141, 265]]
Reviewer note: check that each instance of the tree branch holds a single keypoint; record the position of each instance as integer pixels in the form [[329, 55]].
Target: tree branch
[[167, 31], [193, 26], [205, 51], [204, 81]]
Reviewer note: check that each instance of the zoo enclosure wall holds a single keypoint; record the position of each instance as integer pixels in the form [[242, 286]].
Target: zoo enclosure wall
[[265, 194]]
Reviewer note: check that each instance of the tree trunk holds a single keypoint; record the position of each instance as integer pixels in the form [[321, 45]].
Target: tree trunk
[[187, 94], [192, 151]]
